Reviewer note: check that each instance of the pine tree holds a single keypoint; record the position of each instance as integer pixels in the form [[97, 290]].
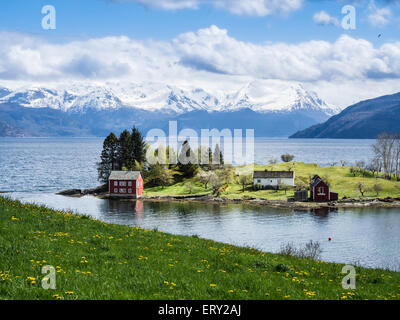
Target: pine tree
[[109, 158], [138, 147], [218, 158], [171, 157], [187, 160], [125, 150]]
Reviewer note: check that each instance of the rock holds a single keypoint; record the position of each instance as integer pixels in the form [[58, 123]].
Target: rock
[[98, 190], [70, 192], [387, 199]]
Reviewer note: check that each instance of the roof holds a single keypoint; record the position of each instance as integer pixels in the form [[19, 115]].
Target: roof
[[316, 182], [273, 174], [124, 175]]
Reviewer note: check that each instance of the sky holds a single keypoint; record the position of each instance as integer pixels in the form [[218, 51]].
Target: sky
[[215, 44]]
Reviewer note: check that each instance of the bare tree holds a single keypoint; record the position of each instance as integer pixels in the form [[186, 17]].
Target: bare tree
[[205, 177], [216, 184], [284, 187], [362, 188], [384, 150], [374, 166], [244, 180], [377, 188], [273, 160]]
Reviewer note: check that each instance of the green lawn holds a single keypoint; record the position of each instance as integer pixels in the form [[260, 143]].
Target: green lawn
[[95, 260], [340, 178]]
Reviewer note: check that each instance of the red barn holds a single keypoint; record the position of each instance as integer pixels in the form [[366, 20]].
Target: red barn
[[320, 192], [126, 184]]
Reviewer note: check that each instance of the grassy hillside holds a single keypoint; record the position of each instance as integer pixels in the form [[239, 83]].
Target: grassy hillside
[[95, 260], [340, 178]]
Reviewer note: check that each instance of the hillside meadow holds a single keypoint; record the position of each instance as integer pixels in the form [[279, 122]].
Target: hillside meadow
[[340, 178], [95, 260]]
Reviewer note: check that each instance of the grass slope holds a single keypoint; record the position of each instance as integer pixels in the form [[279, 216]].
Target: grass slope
[[342, 181], [95, 260]]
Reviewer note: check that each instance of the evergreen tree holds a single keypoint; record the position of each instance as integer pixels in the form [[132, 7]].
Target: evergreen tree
[[218, 158], [109, 158], [187, 161], [159, 175], [171, 157], [138, 147], [125, 150]]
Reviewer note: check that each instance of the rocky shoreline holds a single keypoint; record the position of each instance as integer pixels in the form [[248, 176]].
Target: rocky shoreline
[[101, 192]]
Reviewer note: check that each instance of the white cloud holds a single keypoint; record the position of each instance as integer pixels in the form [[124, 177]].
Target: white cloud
[[214, 50], [238, 7], [323, 18], [378, 17], [209, 57]]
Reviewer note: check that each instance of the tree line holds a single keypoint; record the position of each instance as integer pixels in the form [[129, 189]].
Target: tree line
[[129, 151]]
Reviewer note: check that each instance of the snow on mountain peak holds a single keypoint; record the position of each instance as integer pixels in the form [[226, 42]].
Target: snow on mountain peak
[[258, 95]]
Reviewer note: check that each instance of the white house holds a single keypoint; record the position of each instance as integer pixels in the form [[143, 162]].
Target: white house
[[273, 179]]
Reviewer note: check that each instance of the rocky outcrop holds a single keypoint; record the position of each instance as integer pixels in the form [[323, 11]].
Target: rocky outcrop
[[100, 190]]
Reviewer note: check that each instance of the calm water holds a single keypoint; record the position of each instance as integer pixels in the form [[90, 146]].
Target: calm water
[[33, 169]]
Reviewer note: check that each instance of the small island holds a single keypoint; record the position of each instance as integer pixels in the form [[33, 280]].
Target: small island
[[364, 184]]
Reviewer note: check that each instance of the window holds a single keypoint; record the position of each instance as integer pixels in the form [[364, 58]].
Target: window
[[115, 183], [115, 190], [258, 181], [122, 183], [129, 183], [122, 190], [129, 190]]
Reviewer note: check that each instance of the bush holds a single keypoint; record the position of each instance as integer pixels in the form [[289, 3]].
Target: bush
[[287, 157], [312, 250], [282, 267]]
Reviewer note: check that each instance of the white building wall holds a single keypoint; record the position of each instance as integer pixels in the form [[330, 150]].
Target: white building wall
[[273, 182]]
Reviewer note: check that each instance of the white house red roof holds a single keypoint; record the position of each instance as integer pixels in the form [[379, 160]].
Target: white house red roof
[[124, 175]]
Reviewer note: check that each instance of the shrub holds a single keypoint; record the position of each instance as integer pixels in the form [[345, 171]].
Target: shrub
[[287, 157], [312, 250]]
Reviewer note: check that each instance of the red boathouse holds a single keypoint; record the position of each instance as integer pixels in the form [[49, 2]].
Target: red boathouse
[[320, 192], [126, 184]]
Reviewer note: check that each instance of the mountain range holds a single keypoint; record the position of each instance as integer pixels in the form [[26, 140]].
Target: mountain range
[[363, 120], [95, 110]]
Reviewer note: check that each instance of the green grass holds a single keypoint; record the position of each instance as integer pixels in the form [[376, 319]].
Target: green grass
[[95, 260], [341, 180]]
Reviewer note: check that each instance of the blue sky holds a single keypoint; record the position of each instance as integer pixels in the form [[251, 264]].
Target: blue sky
[[98, 18], [210, 43]]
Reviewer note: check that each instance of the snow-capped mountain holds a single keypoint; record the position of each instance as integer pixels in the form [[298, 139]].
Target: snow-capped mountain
[[169, 99], [85, 110], [4, 91]]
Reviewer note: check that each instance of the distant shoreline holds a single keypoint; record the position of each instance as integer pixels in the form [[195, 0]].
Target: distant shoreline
[[284, 204]]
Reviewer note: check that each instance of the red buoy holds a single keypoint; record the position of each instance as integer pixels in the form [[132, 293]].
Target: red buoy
[[330, 239]]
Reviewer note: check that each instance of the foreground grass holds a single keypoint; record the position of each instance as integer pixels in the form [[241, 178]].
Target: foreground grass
[[340, 178], [95, 260]]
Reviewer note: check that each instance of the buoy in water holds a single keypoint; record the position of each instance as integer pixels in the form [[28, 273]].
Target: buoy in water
[[330, 239]]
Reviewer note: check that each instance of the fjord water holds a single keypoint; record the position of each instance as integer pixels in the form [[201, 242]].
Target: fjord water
[[33, 169]]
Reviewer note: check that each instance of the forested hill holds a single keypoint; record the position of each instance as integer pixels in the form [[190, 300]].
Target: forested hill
[[364, 120]]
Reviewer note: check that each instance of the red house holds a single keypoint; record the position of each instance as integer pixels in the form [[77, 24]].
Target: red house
[[320, 192], [126, 184]]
